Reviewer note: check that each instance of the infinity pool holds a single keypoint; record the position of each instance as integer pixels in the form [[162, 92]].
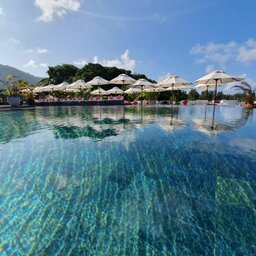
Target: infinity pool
[[128, 181]]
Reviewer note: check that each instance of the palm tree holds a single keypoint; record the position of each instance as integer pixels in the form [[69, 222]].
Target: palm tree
[[245, 87], [249, 92]]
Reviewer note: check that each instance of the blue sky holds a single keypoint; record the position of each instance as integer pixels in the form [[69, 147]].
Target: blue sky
[[184, 37]]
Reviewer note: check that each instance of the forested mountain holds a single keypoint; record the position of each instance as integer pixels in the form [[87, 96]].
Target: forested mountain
[[17, 74]]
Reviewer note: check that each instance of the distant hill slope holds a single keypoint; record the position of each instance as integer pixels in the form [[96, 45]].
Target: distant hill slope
[[18, 75]]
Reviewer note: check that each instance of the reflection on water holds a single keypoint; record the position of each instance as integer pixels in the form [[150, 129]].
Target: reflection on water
[[99, 122], [73, 132], [128, 181], [229, 120], [17, 124]]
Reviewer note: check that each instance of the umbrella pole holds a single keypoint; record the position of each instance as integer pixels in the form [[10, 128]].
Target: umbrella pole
[[214, 98], [122, 87], [141, 95], [172, 95]]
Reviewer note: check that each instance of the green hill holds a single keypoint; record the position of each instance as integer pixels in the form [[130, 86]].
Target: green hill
[[17, 74]]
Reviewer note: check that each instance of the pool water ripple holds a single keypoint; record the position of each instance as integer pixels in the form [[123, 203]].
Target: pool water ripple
[[128, 181]]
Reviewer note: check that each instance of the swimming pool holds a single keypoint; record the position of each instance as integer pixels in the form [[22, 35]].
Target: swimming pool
[[128, 181]]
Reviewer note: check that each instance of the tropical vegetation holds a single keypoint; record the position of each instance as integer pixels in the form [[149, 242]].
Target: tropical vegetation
[[18, 88], [248, 92], [70, 73]]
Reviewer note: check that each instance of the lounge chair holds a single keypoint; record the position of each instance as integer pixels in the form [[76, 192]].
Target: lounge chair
[[201, 102], [228, 102]]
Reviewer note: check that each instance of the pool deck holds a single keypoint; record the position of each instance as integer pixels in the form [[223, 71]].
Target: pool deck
[[21, 107], [64, 103], [80, 103]]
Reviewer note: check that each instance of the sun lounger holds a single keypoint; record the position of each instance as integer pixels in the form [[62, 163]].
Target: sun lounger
[[201, 102], [228, 102]]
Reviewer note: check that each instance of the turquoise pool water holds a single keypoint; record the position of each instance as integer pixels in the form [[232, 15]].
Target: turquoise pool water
[[128, 181]]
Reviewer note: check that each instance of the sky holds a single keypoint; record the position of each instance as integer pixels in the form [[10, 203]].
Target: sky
[[188, 38]]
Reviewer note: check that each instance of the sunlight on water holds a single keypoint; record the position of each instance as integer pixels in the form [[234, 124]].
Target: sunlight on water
[[128, 181]]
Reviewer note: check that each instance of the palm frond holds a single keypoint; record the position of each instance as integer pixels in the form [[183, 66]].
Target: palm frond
[[244, 86]]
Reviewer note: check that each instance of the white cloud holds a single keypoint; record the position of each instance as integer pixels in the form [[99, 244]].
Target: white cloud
[[209, 68], [218, 53], [221, 54], [43, 65], [31, 64], [200, 61], [37, 50], [124, 61], [246, 55], [80, 62], [247, 52], [14, 41], [251, 43], [29, 51], [1, 11], [59, 8], [41, 50]]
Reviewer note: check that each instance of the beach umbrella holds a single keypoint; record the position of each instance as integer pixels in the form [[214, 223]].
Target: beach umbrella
[[38, 89], [97, 81], [132, 91], [79, 84], [61, 87], [99, 91], [48, 88], [144, 83], [135, 86], [174, 83], [205, 87], [217, 77], [153, 89], [72, 90], [141, 84], [115, 90], [176, 88], [122, 79]]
